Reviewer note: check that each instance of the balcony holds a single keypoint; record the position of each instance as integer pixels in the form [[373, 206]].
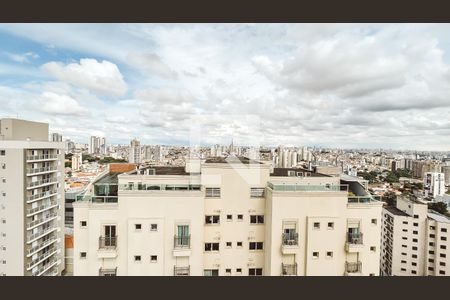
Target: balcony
[[43, 269], [53, 250], [353, 268], [107, 272], [289, 243], [48, 217], [354, 242], [181, 271], [42, 170], [41, 208], [107, 247], [289, 269], [41, 183], [40, 196], [41, 245], [32, 237], [182, 245], [43, 157]]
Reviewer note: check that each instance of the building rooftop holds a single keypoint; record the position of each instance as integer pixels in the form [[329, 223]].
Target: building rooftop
[[395, 211], [110, 178], [438, 217], [230, 160], [284, 172], [164, 170]]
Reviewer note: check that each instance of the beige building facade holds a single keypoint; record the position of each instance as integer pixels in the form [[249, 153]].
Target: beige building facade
[[31, 200], [226, 217]]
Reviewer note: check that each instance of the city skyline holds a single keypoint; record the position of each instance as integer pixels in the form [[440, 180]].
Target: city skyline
[[337, 85]]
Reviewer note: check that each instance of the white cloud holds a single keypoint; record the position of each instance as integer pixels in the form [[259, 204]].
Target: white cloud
[[100, 77], [151, 64], [23, 58], [55, 104]]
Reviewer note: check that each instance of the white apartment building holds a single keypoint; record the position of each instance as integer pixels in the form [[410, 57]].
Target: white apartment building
[[433, 184], [77, 161], [226, 217], [97, 145], [415, 240], [31, 200], [135, 152]]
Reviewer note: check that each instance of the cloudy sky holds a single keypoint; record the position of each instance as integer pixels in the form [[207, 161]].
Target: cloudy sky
[[336, 85]]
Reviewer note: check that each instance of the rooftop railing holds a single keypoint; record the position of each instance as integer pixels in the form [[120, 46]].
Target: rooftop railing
[[308, 187], [363, 199], [159, 187]]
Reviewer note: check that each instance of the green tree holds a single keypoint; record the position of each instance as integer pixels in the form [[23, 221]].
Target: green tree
[[440, 207], [391, 177], [390, 198]]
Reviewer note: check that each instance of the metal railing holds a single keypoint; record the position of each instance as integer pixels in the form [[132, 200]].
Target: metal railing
[[182, 241], [290, 239], [353, 267], [45, 267], [308, 187], [42, 195], [42, 157], [51, 251], [107, 272], [355, 238], [41, 170], [98, 199], [107, 242], [363, 199], [41, 245], [289, 269], [46, 218], [181, 271], [42, 182], [33, 236], [41, 207]]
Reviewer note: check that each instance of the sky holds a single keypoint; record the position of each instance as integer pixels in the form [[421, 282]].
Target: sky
[[332, 85]]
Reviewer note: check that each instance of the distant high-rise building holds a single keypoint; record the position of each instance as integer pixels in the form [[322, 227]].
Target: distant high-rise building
[[56, 137], [69, 146], [77, 161], [433, 184], [446, 171], [97, 145], [31, 199], [135, 152]]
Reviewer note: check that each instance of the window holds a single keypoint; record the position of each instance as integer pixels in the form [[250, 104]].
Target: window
[[315, 255], [83, 255], [414, 272], [240, 217], [83, 223], [414, 248], [404, 246], [228, 244], [430, 260], [414, 256], [443, 229], [316, 225], [403, 261], [3, 180], [212, 192], [137, 258], [329, 254], [442, 255], [239, 270], [374, 221], [154, 227], [2, 152], [211, 247], [443, 238], [405, 222], [415, 232], [255, 272], [211, 272], [404, 238], [330, 225], [432, 236], [373, 248], [415, 240], [431, 244], [432, 227], [228, 271], [255, 246], [414, 264], [431, 252], [212, 219], [257, 219], [403, 253], [239, 244], [137, 227], [257, 192], [153, 258], [430, 269], [442, 263], [229, 217], [443, 247], [3, 166], [441, 272], [403, 269], [416, 224], [416, 216], [405, 230]]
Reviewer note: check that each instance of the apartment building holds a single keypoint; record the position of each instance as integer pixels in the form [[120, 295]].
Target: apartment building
[[135, 152], [31, 200], [225, 217], [433, 184], [415, 240]]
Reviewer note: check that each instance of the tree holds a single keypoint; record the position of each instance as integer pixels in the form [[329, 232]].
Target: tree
[[391, 177], [440, 207], [390, 198], [67, 164]]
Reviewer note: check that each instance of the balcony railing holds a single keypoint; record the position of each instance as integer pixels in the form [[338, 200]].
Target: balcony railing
[[41, 170], [36, 235], [355, 238], [363, 199], [182, 241], [42, 269], [289, 269], [51, 251], [107, 272], [46, 218], [41, 245], [308, 187], [42, 157], [181, 271], [353, 267], [107, 242], [41, 208], [290, 239], [41, 195], [42, 182]]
